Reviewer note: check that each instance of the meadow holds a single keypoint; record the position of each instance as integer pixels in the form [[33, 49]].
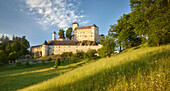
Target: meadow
[[138, 68]]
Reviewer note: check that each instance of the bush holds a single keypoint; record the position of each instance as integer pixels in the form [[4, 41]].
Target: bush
[[66, 55], [13, 55], [57, 62], [73, 59], [3, 57], [18, 63], [80, 54], [43, 62], [49, 59], [90, 54], [27, 63]]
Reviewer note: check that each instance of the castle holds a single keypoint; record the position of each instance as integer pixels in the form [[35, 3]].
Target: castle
[[83, 39]]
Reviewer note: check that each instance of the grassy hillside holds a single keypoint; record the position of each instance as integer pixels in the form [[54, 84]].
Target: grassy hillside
[[17, 77], [135, 69]]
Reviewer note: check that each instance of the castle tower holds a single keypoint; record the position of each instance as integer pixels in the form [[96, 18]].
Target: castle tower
[[75, 24], [54, 36], [45, 49]]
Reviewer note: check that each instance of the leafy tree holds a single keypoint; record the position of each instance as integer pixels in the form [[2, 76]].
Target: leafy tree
[[102, 52], [68, 33], [108, 47], [57, 62], [61, 33], [24, 46], [151, 19], [14, 47], [12, 56], [90, 54], [27, 63], [3, 57]]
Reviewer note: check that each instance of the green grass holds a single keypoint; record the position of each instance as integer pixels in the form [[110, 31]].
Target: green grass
[[137, 69], [17, 77]]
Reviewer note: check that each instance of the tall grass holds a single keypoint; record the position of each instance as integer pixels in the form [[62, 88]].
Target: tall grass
[[17, 77], [140, 69]]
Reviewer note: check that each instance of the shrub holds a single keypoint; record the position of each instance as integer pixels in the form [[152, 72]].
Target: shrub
[[27, 63], [57, 62], [3, 57], [43, 62], [90, 54], [66, 55], [49, 59], [18, 63], [80, 54], [73, 59], [12, 55]]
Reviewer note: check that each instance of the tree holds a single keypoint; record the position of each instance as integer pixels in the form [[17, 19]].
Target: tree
[[108, 47], [90, 54], [57, 62], [24, 46], [68, 33], [3, 57], [61, 33], [12, 56], [151, 19]]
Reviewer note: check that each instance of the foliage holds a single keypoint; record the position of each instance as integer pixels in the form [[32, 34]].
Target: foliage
[[13, 56], [151, 18], [49, 59], [90, 54], [68, 33], [80, 54], [73, 59], [43, 62], [14, 48], [18, 63], [57, 62], [3, 57], [61, 33], [27, 63], [124, 33], [108, 47], [66, 55]]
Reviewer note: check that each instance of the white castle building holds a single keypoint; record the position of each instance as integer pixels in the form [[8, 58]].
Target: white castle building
[[84, 38]]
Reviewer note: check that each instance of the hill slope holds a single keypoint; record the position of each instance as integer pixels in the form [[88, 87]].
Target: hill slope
[[140, 69]]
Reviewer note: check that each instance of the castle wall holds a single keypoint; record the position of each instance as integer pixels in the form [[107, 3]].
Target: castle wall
[[59, 49], [36, 50]]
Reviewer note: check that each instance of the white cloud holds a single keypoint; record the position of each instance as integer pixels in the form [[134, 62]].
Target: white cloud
[[57, 13]]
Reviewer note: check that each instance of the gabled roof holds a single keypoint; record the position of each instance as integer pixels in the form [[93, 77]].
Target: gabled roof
[[65, 42], [75, 23], [45, 43], [54, 32], [86, 27]]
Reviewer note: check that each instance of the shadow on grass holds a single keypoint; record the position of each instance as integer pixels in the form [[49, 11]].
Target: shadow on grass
[[102, 80], [9, 83]]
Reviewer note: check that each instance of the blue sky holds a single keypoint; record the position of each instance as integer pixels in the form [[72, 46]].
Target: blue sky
[[37, 19]]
